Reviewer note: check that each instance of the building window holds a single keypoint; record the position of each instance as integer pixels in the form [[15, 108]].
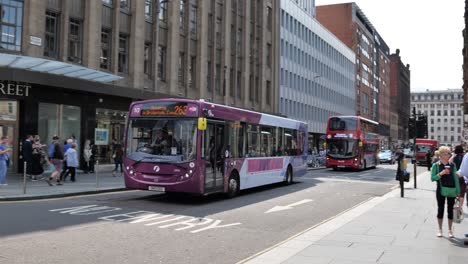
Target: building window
[[208, 76], [182, 16], [51, 35], [268, 92], [218, 33], [147, 61], [239, 85], [161, 63], [106, 43], [268, 55], [192, 67], [269, 19], [163, 11], [107, 2], [11, 24], [75, 41], [123, 53], [181, 68], [193, 21], [149, 10], [125, 5], [218, 79]]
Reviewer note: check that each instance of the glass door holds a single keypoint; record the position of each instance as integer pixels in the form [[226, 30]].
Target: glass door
[[9, 128], [213, 140]]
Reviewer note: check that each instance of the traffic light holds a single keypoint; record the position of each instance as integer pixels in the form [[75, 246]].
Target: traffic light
[[422, 127], [411, 128]]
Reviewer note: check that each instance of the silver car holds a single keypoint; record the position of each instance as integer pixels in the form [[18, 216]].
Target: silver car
[[386, 156]]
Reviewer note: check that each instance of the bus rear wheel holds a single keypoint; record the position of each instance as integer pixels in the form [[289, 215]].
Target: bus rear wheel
[[289, 176], [233, 185]]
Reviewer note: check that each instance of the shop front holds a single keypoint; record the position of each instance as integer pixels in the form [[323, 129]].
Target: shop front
[[47, 111]]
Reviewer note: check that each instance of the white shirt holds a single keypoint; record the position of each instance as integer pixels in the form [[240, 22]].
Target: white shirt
[[463, 171]]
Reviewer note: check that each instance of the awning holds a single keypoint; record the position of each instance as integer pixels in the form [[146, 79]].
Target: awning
[[55, 67]]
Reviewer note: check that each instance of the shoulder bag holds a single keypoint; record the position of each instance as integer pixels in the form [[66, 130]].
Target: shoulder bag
[[448, 191]]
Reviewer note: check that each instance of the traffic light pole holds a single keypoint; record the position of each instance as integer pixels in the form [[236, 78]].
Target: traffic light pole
[[414, 145]]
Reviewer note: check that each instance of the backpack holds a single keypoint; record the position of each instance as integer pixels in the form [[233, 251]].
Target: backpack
[[50, 150]]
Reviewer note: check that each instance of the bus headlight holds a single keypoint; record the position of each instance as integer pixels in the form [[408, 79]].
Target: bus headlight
[[186, 175], [190, 171]]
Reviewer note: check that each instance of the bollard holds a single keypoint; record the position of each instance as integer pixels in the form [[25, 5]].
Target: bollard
[[96, 170], [24, 177]]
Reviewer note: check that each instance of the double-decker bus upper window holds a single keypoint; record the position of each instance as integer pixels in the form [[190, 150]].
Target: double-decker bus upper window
[[342, 123], [166, 138]]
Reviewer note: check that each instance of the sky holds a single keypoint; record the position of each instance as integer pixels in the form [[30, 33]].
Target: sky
[[428, 34]]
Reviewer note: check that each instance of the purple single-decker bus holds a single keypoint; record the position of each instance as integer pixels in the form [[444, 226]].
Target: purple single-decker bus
[[190, 146]]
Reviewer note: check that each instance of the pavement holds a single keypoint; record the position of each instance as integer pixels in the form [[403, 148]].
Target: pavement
[[386, 229], [98, 182]]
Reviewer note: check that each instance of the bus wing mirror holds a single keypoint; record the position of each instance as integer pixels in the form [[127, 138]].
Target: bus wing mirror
[[202, 123]]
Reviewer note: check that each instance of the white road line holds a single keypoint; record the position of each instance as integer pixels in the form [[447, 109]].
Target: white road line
[[349, 180]]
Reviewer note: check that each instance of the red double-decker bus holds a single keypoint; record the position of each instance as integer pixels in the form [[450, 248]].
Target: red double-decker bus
[[352, 142]]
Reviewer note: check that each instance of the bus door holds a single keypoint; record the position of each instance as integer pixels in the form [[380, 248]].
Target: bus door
[[213, 146]]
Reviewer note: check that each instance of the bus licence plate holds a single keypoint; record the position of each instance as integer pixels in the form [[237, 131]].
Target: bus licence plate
[[156, 188]]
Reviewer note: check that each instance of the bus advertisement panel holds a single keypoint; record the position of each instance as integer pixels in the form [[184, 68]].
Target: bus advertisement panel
[[352, 142], [180, 145]]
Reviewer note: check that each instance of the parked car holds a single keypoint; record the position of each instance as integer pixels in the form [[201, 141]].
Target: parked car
[[386, 156], [408, 152]]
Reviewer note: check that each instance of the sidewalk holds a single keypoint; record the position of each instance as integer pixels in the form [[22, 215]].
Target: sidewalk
[[84, 184], [387, 229]]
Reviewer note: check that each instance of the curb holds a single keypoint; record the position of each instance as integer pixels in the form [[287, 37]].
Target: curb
[[60, 195]]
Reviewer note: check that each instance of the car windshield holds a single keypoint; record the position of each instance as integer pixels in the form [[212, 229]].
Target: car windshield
[[162, 139], [342, 148]]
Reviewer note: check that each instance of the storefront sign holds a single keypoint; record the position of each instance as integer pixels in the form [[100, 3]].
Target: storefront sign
[[101, 136], [7, 88]]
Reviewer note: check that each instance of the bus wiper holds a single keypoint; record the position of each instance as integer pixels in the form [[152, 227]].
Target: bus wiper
[[174, 163]]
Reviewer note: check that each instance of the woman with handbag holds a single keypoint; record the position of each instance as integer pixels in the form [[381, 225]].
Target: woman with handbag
[[447, 187]]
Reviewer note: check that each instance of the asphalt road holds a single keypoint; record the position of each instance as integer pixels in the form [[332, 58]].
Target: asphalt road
[[144, 227]]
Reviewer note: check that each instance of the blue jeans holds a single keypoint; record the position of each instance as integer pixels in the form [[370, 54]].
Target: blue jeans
[[3, 169]]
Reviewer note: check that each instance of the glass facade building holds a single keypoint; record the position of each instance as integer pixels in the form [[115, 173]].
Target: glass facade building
[[316, 71]]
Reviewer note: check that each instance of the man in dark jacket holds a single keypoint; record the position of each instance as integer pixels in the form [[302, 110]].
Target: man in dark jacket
[[27, 155]]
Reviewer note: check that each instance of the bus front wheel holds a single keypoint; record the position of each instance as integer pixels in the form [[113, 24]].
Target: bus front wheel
[[233, 185]]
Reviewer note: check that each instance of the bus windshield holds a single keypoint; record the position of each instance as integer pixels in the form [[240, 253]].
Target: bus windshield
[[162, 139], [339, 149], [423, 148]]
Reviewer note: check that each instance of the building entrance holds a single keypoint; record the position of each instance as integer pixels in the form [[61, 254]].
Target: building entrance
[[9, 128]]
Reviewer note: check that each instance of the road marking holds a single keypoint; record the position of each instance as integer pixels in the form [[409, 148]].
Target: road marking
[[349, 180], [287, 207], [147, 218]]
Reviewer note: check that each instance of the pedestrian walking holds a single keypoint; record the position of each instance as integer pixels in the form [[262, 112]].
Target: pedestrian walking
[[436, 157], [443, 173], [38, 155], [28, 156], [458, 159], [71, 156], [66, 146], [92, 158], [56, 158], [463, 173], [429, 160], [86, 155], [117, 156], [3, 156]]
